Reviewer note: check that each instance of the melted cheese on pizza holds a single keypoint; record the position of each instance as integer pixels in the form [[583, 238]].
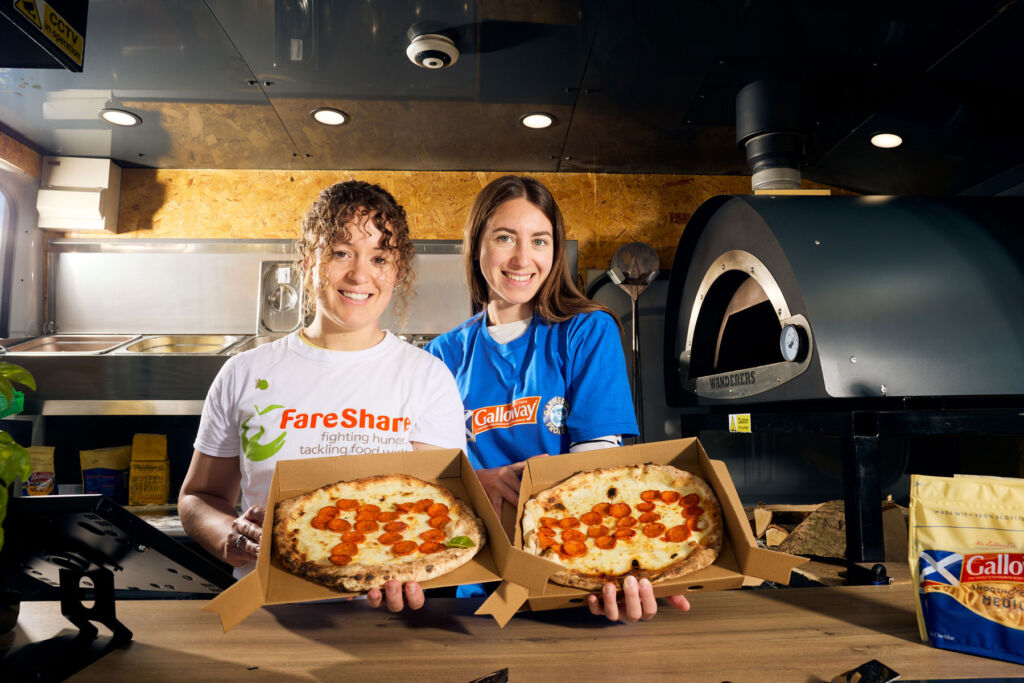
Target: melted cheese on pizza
[[652, 525], [381, 524]]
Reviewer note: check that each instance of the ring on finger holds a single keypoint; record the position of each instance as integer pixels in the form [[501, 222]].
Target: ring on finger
[[240, 542]]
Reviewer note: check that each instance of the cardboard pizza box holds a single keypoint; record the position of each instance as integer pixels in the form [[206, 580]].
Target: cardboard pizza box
[[271, 584], [526, 584]]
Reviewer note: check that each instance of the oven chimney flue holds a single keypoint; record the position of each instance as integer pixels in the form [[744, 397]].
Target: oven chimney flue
[[768, 129]]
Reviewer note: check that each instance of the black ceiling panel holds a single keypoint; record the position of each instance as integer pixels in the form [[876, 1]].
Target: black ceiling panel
[[634, 87]]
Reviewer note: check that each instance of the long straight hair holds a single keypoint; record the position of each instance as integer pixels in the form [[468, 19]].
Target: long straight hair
[[557, 299]]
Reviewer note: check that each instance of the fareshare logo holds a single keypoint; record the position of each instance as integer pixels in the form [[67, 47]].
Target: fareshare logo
[[519, 412], [251, 446]]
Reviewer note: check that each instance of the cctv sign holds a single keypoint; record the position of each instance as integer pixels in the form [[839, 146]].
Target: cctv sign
[[58, 27]]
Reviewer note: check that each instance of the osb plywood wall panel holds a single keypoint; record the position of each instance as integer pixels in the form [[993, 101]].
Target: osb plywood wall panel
[[602, 211], [20, 156]]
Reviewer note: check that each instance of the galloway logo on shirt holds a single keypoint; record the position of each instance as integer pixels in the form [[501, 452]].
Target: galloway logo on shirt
[[519, 412]]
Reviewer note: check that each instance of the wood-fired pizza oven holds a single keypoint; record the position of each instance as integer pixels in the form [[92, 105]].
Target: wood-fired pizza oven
[[782, 298]]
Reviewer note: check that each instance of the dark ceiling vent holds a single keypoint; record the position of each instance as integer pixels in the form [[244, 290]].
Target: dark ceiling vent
[[768, 129]]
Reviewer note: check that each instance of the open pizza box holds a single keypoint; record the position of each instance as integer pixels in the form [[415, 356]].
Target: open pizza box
[[526, 584], [271, 584]]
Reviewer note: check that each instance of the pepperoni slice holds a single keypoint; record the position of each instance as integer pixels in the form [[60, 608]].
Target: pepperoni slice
[[678, 534], [690, 500], [366, 515], [396, 526], [319, 522], [438, 522], [606, 542], [353, 537], [654, 530], [573, 535], [340, 559], [590, 518], [574, 548], [366, 525], [387, 516], [547, 542], [649, 517], [404, 547], [597, 531], [602, 508], [695, 511], [549, 522], [619, 510], [546, 531], [626, 522], [568, 522], [645, 507], [433, 535], [650, 496], [340, 525], [345, 549], [347, 504], [403, 507], [437, 510], [422, 505], [389, 538], [428, 547], [669, 496], [368, 507], [625, 534], [328, 512]]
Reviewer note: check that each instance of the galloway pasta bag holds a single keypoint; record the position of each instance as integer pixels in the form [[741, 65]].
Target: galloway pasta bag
[[967, 561]]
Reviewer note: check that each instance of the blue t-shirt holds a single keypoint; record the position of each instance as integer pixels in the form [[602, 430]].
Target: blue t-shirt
[[556, 384]]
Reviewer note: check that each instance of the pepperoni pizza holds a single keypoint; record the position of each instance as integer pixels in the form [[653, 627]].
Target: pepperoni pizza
[[650, 521], [357, 535]]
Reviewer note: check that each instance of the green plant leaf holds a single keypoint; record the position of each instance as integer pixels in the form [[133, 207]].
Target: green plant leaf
[[16, 373], [460, 542], [15, 461], [7, 391]]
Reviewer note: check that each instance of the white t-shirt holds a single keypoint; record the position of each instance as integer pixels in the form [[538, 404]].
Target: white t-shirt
[[290, 400]]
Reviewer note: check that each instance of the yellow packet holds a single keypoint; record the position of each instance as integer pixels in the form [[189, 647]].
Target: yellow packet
[[41, 476], [966, 555], [150, 474]]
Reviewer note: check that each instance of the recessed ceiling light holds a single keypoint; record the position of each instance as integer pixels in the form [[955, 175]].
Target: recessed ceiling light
[[120, 117], [329, 116], [886, 140], [537, 120]]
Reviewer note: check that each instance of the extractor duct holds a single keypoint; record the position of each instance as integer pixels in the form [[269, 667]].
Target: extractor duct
[[768, 130]]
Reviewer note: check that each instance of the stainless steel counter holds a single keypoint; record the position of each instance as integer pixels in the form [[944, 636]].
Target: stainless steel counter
[[118, 384]]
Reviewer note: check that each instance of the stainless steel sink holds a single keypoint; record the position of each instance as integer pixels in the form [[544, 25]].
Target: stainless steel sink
[[71, 344], [253, 342], [182, 343]]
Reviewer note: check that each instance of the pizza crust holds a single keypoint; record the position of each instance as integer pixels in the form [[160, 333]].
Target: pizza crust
[[641, 558], [291, 522]]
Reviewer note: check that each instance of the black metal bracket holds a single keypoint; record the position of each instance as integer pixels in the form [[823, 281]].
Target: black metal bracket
[[103, 610]]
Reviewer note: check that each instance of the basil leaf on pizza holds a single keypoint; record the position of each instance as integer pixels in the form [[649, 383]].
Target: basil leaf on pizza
[[357, 535], [650, 521]]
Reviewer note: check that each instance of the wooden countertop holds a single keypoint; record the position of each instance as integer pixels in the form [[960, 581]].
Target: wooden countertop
[[792, 635]]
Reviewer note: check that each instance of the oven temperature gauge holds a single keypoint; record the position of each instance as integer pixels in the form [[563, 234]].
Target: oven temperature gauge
[[793, 343]]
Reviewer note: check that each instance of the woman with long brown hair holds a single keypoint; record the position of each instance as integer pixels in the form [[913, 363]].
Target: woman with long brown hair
[[540, 368]]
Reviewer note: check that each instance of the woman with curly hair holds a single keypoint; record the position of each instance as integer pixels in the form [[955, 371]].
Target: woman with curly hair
[[371, 391]]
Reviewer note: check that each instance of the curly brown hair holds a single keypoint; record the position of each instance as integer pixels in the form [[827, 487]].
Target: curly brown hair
[[327, 223]]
